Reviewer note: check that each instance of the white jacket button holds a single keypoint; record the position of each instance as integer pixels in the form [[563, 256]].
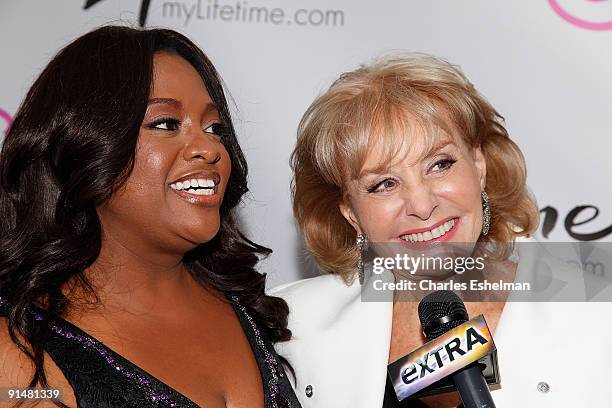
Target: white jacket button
[[309, 391], [543, 387]]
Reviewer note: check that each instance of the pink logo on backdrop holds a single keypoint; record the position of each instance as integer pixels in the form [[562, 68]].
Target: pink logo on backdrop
[[579, 21], [6, 118]]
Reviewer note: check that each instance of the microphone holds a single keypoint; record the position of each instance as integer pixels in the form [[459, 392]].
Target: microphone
[[440, 312], [458, 352]]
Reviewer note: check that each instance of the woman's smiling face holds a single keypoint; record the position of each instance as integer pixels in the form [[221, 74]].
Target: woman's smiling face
[[181, 169], [424, 195]]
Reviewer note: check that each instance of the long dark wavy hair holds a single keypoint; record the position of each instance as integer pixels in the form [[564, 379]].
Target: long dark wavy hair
[[71, 146]]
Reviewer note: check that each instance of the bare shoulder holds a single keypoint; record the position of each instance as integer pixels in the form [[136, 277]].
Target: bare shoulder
[[17, 369]]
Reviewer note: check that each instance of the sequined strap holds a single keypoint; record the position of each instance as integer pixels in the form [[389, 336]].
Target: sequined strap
[[157, 392], [274, 368]]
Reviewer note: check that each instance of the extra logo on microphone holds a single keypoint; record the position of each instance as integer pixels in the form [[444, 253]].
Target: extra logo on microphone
[[441, 357]]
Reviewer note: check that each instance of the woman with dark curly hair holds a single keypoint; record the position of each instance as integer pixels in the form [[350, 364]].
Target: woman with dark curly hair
[[125, 280]]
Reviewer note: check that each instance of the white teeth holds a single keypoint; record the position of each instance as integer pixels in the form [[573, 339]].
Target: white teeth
[[448, 225], [206, 191], [436, 232], [431, 234], [205, 184]]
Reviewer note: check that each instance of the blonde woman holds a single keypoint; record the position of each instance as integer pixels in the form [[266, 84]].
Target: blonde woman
[[405, 150]]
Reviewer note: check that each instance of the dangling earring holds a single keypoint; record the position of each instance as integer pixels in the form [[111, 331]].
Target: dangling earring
[[486, 213], [362, 244]]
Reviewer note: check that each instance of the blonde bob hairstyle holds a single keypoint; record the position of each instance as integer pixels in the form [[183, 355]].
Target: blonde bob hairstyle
[[386, 101]]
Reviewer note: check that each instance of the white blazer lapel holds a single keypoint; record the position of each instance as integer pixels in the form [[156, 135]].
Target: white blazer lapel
[[340, 344]]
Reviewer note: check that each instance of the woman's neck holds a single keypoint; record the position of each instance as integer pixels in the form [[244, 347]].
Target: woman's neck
[[130, 276]]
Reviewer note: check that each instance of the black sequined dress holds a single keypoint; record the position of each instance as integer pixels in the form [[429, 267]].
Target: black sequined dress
[[102, 378]]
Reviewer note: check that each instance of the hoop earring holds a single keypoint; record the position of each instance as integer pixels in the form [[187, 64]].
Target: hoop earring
[[362, 245], [486, 213]]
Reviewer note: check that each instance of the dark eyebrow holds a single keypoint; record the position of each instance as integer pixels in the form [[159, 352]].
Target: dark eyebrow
[[168, 101], [211, 108]]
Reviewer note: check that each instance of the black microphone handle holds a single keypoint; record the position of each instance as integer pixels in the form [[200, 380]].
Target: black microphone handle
[[473, 388]]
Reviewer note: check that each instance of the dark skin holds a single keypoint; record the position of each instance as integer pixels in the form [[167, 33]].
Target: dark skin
[[150, 309]]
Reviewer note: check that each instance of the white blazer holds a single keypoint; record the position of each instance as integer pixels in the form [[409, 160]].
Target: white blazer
[[551, 354]]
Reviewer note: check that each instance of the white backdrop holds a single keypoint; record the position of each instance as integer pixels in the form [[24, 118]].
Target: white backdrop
[[545, 64]]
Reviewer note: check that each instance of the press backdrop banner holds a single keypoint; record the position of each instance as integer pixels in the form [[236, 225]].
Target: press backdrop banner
[[545, 64]]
